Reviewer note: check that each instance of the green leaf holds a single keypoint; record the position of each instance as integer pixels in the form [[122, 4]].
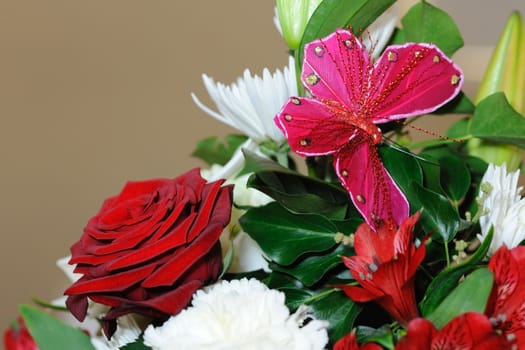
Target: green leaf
[[471, 295], [455, 177], [495, 120], [339, 310], [438, 213], [214, 151], [296, 192], [52, 334], [446, 280], [137, 345], [459, 130], [333, 14], [403, 167], [312, 268], [382, 336], [283, 236], [296, 297], [426, 23]]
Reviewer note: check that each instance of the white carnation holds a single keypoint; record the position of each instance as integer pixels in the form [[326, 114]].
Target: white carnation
[[502, 207], [238, 315]]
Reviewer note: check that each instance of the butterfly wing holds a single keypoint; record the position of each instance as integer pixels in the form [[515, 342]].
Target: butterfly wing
[[411, 79], [312, 128], [337, 68], [372, 189]]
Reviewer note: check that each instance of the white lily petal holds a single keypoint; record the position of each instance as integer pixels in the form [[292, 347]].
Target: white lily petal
[[381, 30]]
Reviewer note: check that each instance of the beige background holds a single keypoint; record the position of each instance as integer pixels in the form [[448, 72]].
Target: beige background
[[93, 93]]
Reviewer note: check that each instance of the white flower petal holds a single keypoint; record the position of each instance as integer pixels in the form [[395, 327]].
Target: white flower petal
[[381, 30], [503, 208], [250, 104], [240, 314]]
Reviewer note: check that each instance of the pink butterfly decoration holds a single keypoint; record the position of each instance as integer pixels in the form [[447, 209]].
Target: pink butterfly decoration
[[350, 96]]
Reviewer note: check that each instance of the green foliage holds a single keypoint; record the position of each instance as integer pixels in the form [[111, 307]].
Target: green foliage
[[296, 192], [471, 295], [284, 236], [214, 151], [425, 23], [52, 334], [448, 278]]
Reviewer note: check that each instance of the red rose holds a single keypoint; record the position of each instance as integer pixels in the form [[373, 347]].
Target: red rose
[[17, 337], [150, 248]]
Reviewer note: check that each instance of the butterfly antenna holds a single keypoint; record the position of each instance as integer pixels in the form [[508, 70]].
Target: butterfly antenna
[[428, 132]]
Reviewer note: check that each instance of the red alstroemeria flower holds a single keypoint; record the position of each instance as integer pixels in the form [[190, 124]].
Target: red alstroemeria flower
[[349, 342], [384, 265], [469, 331], [17, 337], [506, 306]]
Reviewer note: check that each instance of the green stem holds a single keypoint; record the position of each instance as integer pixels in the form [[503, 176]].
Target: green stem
[[320, 295], [447, 254]]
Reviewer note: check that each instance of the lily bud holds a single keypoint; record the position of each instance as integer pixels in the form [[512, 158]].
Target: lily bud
[[293, 16], [505, 72]]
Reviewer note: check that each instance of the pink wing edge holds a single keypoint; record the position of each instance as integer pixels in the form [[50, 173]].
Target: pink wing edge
[[457, 90]]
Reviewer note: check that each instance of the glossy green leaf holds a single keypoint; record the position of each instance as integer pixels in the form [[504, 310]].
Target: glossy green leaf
[[284, 236], [471, 295], [137, 345], [298, 193], [382, 336], [296, 297], [455, 177], [215, 151], [438, 213], [403, 167], [52, 334], [333, 14], [426, 23], [312, 268], [495, 120], [444, 283], [339, 310]]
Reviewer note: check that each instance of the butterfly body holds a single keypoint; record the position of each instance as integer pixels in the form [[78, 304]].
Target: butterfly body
[[351, 95]]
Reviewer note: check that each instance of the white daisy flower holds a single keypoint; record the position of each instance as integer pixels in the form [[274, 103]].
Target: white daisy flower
[[238, 315], [502, 207], [250, 104]]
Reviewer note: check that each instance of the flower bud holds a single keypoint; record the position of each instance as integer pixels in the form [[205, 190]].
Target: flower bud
[[505, 72], [293, 16]]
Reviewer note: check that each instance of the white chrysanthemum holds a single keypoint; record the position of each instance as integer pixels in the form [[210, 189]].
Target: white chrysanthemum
[[250, 104], [248, 256], [238, 315], [128, 329], [502, 207]]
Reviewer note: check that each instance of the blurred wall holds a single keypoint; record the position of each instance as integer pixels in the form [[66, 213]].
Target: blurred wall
[[93, 93]]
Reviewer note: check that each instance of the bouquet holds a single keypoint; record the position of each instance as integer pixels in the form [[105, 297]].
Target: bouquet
[[321, 224]]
